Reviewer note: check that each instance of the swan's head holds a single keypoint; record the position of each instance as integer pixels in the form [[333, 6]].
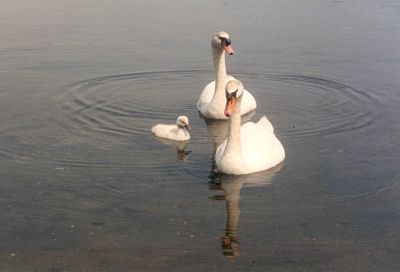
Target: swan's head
[[233, 90], [183, 122], [221, 41]]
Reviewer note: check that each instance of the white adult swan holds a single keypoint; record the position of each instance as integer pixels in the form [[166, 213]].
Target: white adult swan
[[250, 148], [211, 103], [178, 132]]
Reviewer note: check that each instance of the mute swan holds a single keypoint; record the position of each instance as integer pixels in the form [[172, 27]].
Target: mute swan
[[178, 132], [250, 148], [211, 103]]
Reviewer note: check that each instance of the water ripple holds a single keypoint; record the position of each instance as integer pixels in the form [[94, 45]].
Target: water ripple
[[317, 106], [128, 104], [111, 117]]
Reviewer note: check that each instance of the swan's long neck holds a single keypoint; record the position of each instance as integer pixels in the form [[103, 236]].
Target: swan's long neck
[[233, 143], [220, 76], [219, 68]]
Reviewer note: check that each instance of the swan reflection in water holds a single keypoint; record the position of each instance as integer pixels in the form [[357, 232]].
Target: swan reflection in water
[[231, 186], [181, 153]]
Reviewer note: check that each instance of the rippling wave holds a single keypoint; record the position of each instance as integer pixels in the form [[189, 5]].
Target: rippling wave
[[114, 114], [127, 104], [318, 106]]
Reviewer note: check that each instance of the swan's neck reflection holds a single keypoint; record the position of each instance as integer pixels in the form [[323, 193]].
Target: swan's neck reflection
[[230, 241], [231, 186], [181, 153]]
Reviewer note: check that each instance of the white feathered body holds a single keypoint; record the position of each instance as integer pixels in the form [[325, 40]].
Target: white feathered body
[[214, 109], [259, 150], [171, 132]]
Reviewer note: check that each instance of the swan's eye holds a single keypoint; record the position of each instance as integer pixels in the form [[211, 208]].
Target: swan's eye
[[225, 41]]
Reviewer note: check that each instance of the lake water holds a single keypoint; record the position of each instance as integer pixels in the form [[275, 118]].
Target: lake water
[[85, 186]]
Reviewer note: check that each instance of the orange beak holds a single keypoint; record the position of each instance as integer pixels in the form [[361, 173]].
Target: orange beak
[[230, 104], [228, 49]]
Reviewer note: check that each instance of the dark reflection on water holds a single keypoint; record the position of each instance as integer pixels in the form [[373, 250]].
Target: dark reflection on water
[[231, 186], [182, 153], [85, 186]]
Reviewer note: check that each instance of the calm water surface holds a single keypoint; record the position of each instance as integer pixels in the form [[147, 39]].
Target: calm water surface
[[85, 186]]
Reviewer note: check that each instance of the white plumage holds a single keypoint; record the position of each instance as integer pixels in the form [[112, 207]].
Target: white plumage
[[212, 100], [177, 132], [253, 147]]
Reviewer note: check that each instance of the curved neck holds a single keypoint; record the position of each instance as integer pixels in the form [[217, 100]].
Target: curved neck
[[220, 71], [233, 142]]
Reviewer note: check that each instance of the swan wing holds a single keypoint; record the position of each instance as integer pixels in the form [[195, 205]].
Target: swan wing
[[248, 103], [205, 97], [264, 122], [220, 152], [259, 145]]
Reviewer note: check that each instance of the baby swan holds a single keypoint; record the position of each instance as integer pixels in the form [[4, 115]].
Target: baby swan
[[178, 132], [249, 148]]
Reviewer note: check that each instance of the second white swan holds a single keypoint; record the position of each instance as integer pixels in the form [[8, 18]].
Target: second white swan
[[211, 103], [250, 148]]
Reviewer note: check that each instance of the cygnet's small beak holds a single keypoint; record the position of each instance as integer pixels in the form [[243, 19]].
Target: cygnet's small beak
[[188, 127], [228, 49]]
